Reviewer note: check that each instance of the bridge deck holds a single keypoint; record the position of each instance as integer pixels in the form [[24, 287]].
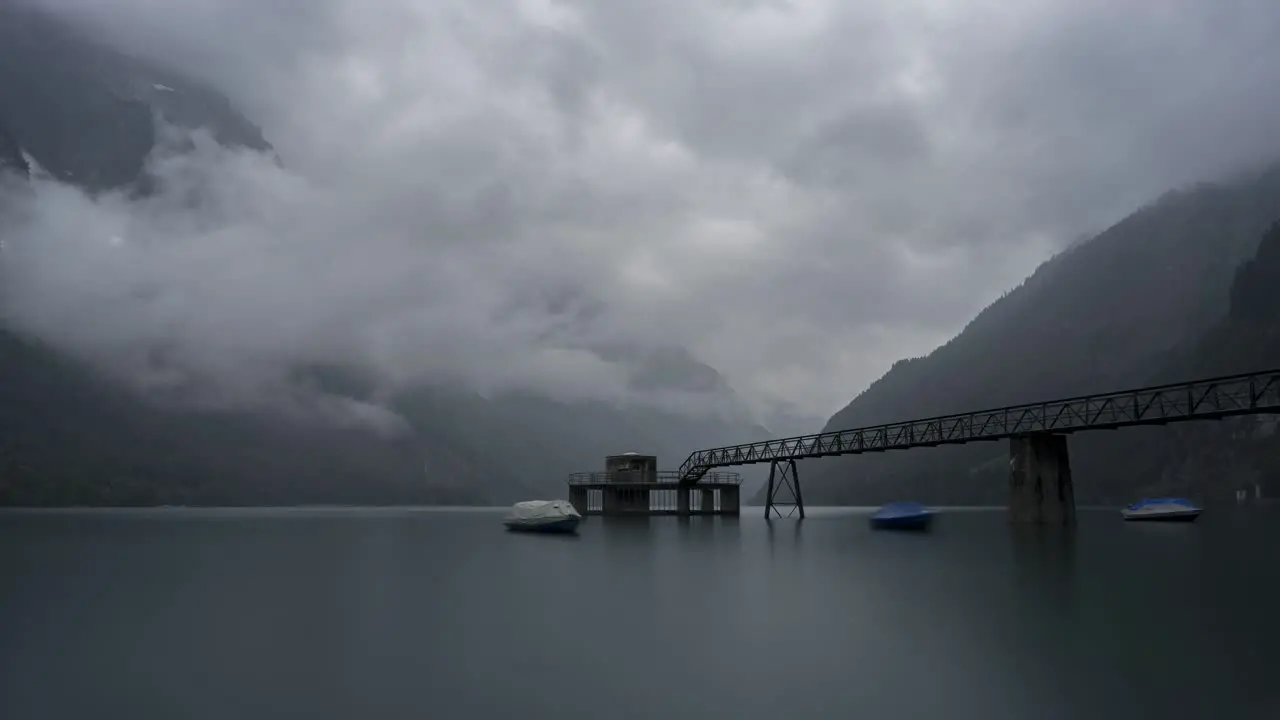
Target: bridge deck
[[1248, 394]]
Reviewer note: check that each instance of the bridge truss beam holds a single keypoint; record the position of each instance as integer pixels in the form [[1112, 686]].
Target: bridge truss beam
[[1248, 394]]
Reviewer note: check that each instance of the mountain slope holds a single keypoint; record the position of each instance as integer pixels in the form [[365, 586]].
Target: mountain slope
[[1214, 459], [87, 113], [68, 438], [541, 439], [1106, 314]]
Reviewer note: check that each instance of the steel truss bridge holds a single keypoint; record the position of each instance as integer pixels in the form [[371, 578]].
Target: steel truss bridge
[[1255, 393]]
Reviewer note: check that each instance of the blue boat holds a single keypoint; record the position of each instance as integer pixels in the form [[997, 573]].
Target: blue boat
[[1167, 509], [904, 515]]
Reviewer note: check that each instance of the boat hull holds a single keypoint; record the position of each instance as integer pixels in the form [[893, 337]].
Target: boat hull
[[902, 515], [903, 522], [1161, 516], [557, 526]]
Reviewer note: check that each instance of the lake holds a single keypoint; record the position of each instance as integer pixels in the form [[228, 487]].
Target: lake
[[406, 613]]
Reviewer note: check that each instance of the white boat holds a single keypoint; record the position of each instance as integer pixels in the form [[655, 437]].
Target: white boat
[[545, 516], [1167, 509]]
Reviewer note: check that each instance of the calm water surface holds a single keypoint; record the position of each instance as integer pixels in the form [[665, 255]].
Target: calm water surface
[[441, 614]]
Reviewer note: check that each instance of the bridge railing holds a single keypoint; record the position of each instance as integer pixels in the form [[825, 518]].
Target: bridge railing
[[1246, 394], [666, 476]]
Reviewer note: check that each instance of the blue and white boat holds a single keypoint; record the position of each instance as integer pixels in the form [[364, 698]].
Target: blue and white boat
[[904, 515], [543, 516], [1168, 509]]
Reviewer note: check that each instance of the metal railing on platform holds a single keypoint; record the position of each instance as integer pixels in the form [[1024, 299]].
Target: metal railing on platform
[[669, 476]]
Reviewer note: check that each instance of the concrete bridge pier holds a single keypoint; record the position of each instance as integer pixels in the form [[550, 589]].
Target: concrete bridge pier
[[633, 500], [625, 500], [578, 499], [708, 503], [1040, 489], [730, 500]]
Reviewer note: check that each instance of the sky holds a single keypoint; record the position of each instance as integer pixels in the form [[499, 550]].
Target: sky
[[798, 192]]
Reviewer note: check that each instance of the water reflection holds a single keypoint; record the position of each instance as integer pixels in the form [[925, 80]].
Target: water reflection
[[785, 533], [1044, 558], [1044, 579]]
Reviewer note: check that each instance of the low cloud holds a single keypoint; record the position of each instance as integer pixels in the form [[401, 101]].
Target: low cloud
[[236, 272], [799, 192]]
